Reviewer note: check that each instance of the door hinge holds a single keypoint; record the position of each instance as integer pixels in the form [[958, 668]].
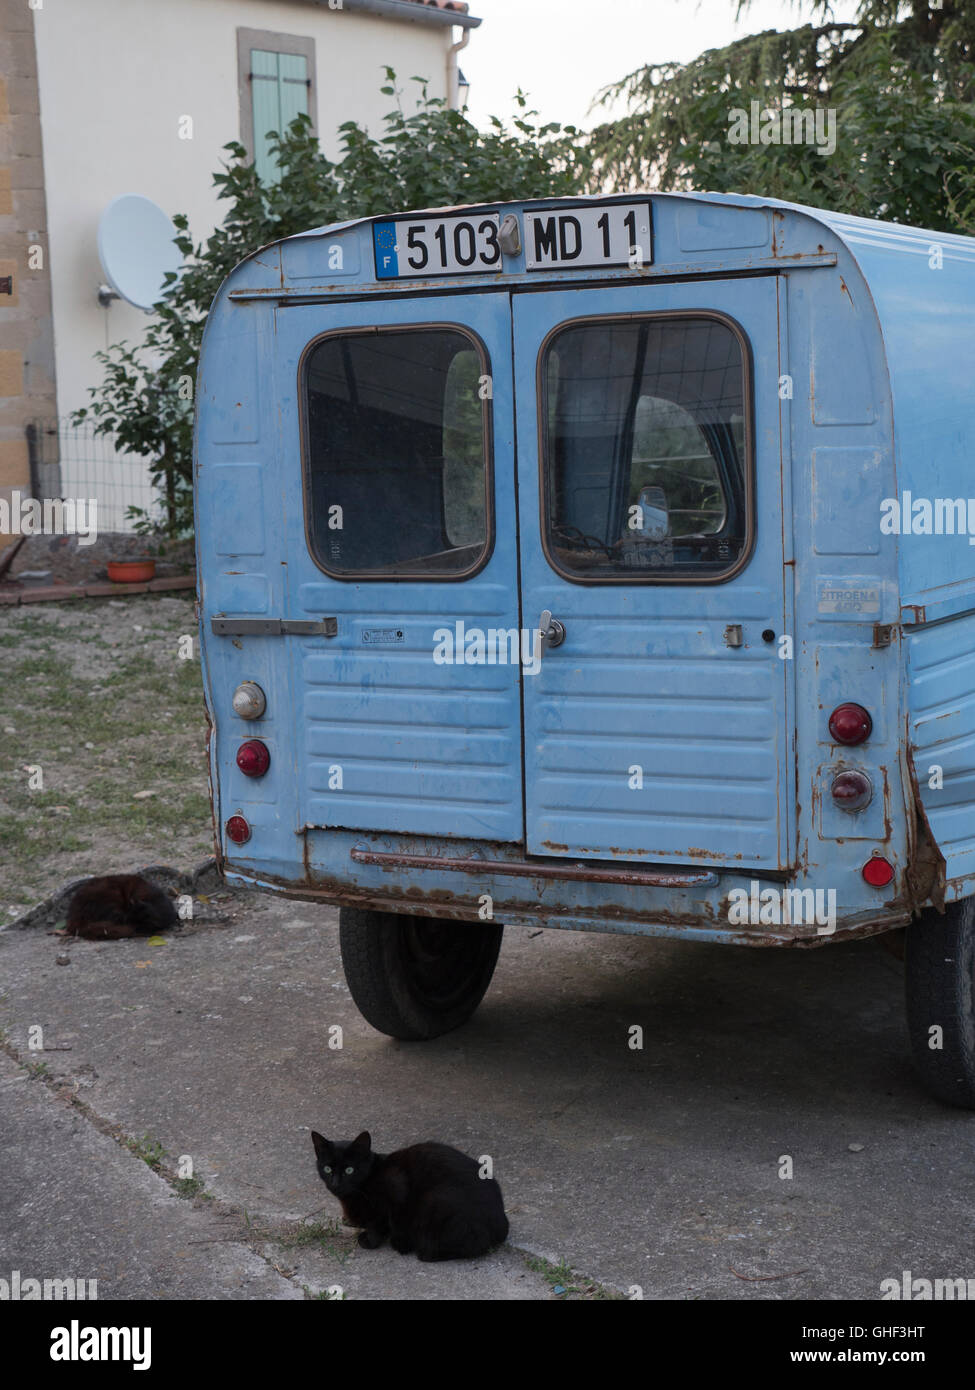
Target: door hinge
[[275, 627]]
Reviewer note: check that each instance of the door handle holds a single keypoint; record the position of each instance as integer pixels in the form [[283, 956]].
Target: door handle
[[551, 631], [275, 627]]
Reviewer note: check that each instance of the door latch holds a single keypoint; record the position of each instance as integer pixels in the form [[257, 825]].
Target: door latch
[[275, 627], [551, 631]]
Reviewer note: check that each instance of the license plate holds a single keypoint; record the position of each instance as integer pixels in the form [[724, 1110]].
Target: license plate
[[581, 237], [462, 245]]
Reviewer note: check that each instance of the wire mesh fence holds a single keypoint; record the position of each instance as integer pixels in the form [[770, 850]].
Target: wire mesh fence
[[71, 461]]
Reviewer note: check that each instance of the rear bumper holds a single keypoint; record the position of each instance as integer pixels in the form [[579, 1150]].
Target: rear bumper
[[466, 881]]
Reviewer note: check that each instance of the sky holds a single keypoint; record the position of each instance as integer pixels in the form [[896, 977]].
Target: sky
[[562, 51]]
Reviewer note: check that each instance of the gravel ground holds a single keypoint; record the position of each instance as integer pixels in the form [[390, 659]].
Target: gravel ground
[[102, 743]]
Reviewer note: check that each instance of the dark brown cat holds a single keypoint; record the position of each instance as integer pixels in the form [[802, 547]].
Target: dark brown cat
[[117, 906], [428, 1198]]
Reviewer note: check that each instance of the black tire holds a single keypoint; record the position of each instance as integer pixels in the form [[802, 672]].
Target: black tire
[[939, 964], [416, 977]]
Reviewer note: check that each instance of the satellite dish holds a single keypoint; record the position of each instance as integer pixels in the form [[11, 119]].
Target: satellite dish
[[136, 248]]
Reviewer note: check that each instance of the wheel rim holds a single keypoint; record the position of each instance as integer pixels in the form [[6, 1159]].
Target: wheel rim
[[442, 960]]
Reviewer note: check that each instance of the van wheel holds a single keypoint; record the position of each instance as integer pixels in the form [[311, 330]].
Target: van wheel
[[940, 972], [416, 977]]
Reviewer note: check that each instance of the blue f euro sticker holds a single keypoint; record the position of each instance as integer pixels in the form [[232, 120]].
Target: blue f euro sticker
[[384, 241]]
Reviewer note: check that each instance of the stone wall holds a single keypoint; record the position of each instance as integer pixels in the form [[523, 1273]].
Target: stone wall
[[27, 382]]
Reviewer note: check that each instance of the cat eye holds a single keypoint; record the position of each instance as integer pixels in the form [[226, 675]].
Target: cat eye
[[325, 1168], [350, 1170]]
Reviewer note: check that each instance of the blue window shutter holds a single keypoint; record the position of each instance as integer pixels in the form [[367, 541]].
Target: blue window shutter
[[279, 92], [292, 86]]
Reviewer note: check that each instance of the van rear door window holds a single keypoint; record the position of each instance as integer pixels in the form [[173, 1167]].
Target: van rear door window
[[645, 449], [397, 458]]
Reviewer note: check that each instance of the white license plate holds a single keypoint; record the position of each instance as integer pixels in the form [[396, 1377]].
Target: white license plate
[[584, 238], [460, 245]]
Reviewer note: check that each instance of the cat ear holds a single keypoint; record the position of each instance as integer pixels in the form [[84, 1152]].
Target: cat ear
[[322, 1147], [363, 1140]]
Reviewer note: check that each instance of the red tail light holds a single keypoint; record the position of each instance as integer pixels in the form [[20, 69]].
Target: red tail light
[[238, 830], [253, 758], [850, 724], [851, 791]]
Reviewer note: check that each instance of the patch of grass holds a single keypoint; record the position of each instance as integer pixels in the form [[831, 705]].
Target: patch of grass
[[188, 1187], [41, 820], [318, 1233], [565, 1282], [136, 669], [25, 626], [37, 666], [327, 1294], [312, 1233], [38, 1071], [149, 1150]]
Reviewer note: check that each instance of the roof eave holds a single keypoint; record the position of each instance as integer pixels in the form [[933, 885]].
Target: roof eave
[[408, 11]]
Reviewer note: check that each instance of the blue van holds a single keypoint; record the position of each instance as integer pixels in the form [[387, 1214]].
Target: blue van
[[605, 564]]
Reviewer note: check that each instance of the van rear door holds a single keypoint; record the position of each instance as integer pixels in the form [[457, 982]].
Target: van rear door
[[651, 528], [405, 533]]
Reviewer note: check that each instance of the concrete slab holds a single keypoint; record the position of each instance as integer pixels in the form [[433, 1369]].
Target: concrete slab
[[659, 1167], [77, 1206]]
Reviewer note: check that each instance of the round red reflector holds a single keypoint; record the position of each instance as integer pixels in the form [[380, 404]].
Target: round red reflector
[[877, 872], [850, 724], [851, 791], [238, 830], [253, 758]]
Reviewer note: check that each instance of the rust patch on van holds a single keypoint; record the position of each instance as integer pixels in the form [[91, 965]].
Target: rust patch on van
[[925, 875], [217, 848]]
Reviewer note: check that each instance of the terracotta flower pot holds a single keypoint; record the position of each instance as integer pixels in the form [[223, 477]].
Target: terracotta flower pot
[[131, 571]]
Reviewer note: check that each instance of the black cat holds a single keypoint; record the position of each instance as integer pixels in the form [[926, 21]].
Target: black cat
[[427, 1198], [119, 905]]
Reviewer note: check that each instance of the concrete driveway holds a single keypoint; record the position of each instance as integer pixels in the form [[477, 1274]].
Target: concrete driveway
[[660, 1169]]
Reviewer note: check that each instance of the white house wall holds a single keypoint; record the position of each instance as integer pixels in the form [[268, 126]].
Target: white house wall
[[117, 76]]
